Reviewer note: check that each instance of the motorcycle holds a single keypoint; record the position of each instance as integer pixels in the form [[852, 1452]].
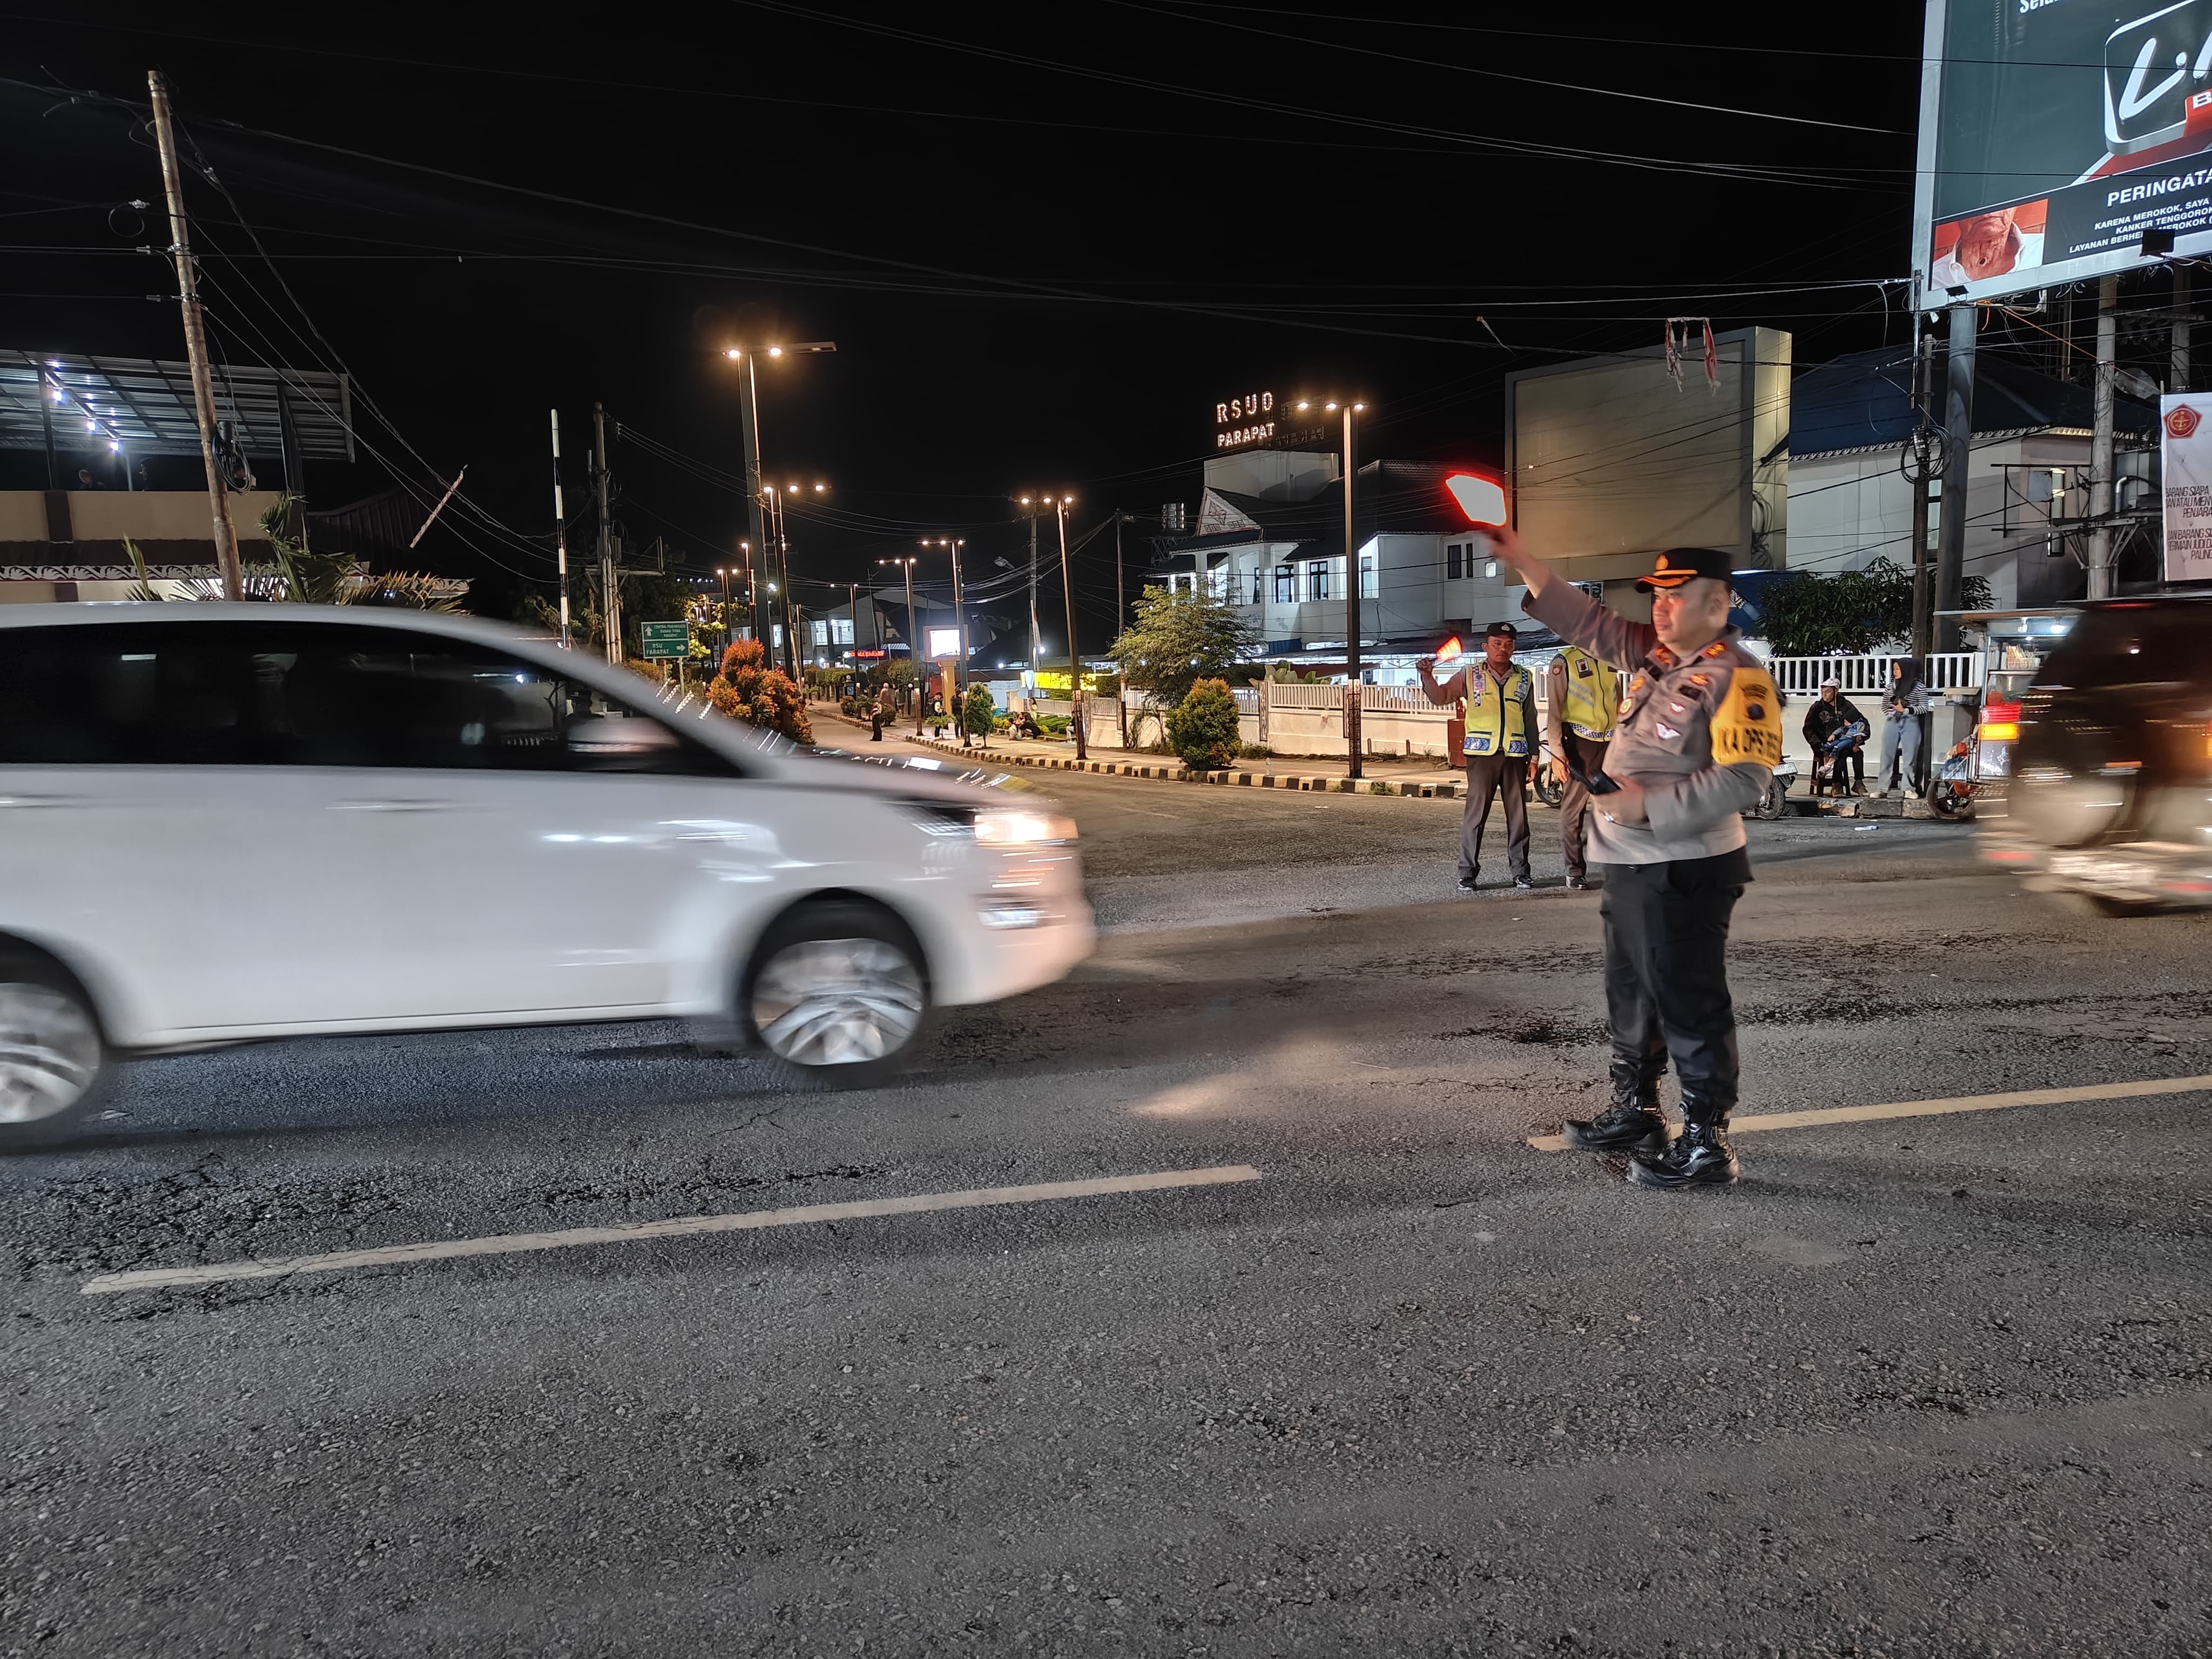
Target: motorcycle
[[1775, 803], [1951, 793]]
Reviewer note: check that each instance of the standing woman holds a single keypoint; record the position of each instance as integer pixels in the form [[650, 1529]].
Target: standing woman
[[1903, 704]]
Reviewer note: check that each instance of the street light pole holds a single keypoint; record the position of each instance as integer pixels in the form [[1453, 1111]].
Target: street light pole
[[752, 446], [1353, 697], [1074, 656], [913, 629]]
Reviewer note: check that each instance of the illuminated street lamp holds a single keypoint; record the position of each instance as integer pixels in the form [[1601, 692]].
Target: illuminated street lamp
[[1352, 574], [754, 491], [953, 544], [1058, 506], [906, 562]]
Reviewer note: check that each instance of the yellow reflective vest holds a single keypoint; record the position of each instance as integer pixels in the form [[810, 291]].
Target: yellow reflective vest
[[1497, 716], [1593, 702]]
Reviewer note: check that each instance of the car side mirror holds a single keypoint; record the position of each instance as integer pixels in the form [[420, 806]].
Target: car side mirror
[[633, 737]]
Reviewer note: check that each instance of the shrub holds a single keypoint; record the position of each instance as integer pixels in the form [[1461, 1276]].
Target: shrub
[[977, 712], [1254, 751], [1202, 727], [748, 690], [1052, 726]]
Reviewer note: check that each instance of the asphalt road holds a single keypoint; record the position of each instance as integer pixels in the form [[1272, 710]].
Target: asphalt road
[[1922, 1385]]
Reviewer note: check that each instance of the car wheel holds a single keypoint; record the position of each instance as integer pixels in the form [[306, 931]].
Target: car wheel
[[52, 1059], [837, 992]]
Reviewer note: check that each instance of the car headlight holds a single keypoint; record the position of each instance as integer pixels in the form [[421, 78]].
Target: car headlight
[[1001, 827]]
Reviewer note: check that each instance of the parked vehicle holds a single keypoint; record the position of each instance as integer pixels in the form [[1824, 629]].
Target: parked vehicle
[[1776, 802], [225, 822], [2110, 796]]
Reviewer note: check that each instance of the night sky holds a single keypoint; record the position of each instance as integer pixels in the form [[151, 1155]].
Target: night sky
[[1045, 241]]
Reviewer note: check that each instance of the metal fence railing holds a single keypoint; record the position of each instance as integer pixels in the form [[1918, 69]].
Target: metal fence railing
[[1946, 670]]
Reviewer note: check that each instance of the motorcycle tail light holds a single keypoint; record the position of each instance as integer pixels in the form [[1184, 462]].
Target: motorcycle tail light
[[2000, 731]]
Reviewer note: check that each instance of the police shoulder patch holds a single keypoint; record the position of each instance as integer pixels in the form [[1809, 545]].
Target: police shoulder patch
[[1747, 726]]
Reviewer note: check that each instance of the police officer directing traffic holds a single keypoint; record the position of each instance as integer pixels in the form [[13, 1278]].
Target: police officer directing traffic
[[1582, 701], [1700, 733], [1501, 740]]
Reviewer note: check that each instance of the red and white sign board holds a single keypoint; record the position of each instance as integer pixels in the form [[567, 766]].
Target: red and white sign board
[[2185, 437]]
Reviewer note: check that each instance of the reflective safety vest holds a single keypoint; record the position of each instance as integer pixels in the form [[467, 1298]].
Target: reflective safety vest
[[1593, 695], [1497, 716]]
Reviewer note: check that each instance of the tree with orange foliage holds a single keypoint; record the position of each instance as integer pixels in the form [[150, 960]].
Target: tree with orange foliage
[[748, 690]]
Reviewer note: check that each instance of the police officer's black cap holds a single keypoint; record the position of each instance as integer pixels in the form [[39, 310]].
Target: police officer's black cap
[[1501, 631], [1678, 565]]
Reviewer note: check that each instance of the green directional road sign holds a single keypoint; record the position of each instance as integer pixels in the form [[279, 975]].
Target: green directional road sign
[[664, 639]]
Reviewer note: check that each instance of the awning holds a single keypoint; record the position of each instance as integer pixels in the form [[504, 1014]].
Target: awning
[[146, 406]]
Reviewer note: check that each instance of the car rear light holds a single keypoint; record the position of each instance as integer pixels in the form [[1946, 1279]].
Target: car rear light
[[2007, 855]]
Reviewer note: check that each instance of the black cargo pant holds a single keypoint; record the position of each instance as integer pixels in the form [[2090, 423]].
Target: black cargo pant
[[1666, 973], [1574, 805], [1488, 775]]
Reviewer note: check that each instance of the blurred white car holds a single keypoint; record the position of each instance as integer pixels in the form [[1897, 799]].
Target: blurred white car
[[226, 821]]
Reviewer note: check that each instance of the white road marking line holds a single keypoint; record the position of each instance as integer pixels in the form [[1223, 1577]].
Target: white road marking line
[[2157, 1085], [680, 1227]]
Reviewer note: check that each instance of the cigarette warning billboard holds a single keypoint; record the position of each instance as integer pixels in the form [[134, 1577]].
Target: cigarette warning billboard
[[2053, 134]]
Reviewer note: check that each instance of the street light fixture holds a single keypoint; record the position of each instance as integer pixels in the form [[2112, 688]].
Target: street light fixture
[[1352, 575], [754, 490], [906, 562], [953, 544], [1058, 504]]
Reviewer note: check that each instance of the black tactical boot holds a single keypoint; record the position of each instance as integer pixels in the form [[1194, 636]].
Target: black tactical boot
[[1699, 1156], [1631, 1121]]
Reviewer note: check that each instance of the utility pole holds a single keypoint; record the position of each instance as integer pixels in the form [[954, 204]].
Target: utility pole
[[1036, 636], [1074, 656], [610, 584], [1353, 695], [1921, 460], [1958, 441], [2100, 444], [560, 531], [225, 535]]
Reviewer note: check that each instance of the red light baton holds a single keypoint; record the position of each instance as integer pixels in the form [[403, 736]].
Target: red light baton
[[1481, 498]]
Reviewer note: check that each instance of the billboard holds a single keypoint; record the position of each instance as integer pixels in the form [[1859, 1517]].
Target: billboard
[[1610, 459], [2053, 134]]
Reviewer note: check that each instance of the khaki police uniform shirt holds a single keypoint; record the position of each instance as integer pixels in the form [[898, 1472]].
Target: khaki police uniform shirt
[[1702, 734]]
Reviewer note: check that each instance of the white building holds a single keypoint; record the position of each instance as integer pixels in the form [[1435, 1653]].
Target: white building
[[1270, 540], [1851, 504]]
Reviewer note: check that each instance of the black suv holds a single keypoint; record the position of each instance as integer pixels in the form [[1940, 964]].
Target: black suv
[[2112, 787]]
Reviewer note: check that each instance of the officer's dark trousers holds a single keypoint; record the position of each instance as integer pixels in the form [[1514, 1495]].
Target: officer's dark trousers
[[1574, 805], [1488, 775], [1666, 972]]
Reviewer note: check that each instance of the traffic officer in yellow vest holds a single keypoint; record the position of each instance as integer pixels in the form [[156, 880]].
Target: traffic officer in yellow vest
[[1582, 695], [1500, 742], [1700, 733]]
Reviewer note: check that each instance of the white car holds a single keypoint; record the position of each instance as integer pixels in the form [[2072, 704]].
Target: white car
[[227, 822]]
